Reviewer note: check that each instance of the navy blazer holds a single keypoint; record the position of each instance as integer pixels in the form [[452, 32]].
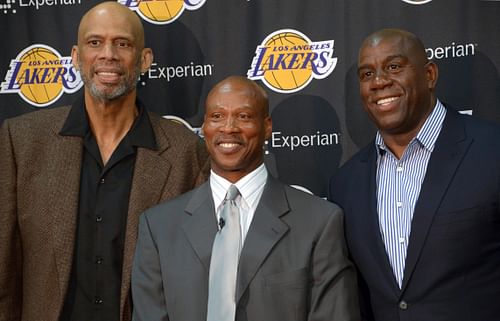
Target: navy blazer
[[452, 269]]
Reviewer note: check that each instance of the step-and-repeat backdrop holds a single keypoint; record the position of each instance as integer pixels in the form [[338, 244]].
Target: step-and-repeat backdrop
[[304, 53]]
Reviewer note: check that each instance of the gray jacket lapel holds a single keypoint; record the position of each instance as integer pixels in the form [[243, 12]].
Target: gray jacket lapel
[[265, 231], [200, 230]]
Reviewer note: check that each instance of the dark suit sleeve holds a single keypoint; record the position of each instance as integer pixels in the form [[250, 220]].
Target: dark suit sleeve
[[334, 292], [10, 244], [147, 287], [335, 195]]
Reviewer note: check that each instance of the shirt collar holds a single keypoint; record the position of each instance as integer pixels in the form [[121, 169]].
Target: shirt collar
[[249, 186], [141, 134], [429, 132]]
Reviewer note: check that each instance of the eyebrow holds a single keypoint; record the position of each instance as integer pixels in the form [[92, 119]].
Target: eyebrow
[[389, 58]]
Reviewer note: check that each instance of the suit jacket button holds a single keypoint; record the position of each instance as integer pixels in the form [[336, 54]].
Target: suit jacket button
[[403, 305]]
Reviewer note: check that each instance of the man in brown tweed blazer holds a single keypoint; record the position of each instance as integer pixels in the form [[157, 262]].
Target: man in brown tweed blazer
[[74, 179]]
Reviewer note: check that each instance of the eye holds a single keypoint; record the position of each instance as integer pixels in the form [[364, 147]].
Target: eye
[[365, 75], [94, 43], [216, 116], [393, 67], [123, 44], [244, 116]]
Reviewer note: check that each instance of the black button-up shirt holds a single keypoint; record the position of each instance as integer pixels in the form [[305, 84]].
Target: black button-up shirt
[[95, 281]]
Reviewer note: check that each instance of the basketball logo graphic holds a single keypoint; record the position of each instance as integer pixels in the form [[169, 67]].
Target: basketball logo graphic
[[417, 1], [161, 11], [286, 79], [176, 119], [40, 75], [287, 61]]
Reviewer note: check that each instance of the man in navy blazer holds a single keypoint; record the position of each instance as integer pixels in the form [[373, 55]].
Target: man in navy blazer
[[421, 202], [293, 264]]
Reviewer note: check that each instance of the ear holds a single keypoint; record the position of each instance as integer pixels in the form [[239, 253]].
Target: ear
[[268, 127], [202, 129], [432, 73], [75, 57], [146, 59]]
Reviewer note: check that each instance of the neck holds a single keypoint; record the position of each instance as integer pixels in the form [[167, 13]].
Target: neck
[[110, 121], [397, 143]]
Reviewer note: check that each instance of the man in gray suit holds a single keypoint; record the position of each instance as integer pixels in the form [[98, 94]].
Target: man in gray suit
[[74, 179], [293, 262]]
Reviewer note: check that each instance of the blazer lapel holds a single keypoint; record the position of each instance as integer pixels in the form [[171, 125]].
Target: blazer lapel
[[200, 230], [449, 151], [369, 222], [150, 176], [64, 184], [65, 204], [265, 231]]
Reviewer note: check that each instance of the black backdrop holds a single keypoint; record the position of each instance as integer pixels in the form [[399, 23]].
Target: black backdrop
[[303, 52]]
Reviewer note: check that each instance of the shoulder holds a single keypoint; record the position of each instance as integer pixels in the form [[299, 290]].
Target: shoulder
[[39, 119], [351, 166], [174, 208], [484, 134], [35, 127], [345, 181], [302, 202], [479, 127]]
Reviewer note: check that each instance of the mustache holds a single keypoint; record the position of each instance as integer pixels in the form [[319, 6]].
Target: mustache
[[117, 68], [224, 138]]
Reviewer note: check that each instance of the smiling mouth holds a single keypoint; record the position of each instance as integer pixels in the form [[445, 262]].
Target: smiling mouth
[[108, 76], [228, 145], [386, 101]]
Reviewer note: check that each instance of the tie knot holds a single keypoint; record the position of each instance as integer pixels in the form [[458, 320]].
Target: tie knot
[[232, 193]]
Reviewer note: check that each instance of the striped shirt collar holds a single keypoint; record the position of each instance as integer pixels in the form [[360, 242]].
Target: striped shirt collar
[[429, 132]]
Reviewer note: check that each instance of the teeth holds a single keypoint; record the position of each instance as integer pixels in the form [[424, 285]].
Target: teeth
[[228, 145], [386, 100], [106, 73]]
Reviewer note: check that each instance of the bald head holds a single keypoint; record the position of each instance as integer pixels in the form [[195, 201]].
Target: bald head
[[408, 40], [110, 54], [243, 84], [397, 84], [235, 126], [110, 12]]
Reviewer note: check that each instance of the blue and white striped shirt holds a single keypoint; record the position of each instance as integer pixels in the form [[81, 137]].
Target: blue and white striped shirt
[[398, 186]]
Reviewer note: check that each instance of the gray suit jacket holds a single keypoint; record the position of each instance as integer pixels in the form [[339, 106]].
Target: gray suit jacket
[[293, 265], [39, 192]]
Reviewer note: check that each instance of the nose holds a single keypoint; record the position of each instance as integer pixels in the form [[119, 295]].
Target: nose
[[230, 125], [381, 79], [108, 51]]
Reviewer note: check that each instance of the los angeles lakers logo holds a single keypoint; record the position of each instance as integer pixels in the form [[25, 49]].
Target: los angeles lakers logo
[[40, 75], [287, 61], [161, 11]]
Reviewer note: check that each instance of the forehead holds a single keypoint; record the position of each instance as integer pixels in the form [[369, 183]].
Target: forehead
[[383, 48], [233, 96], [105, 22]]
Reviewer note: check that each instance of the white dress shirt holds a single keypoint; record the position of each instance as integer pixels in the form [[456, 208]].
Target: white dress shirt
[[250, 186]]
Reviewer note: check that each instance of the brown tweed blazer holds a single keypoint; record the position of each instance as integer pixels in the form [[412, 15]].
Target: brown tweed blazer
[[39, 192]]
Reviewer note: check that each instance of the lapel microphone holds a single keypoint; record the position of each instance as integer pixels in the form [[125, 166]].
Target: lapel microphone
[[221, 223]]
